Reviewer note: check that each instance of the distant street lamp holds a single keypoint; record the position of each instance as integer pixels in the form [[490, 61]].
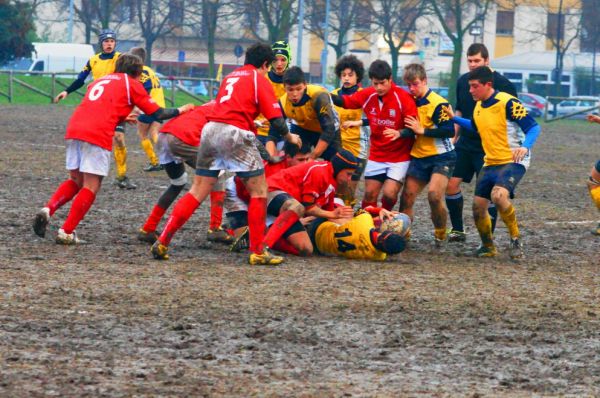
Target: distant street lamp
[[324, 54]]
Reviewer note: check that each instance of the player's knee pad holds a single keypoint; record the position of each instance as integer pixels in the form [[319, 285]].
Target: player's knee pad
[[181, 180], [293, 205]]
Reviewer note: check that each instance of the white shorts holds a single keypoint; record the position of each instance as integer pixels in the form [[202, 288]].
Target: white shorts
[[171, 149], [233, 203], [392, 170], [87, 158]]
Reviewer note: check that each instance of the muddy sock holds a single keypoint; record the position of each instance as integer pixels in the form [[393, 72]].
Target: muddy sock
[[216, 209], [595, 195], [284, 246], [182, 212], [149, 150], [388, 203], [365, 204], [120, 154], [63, 194], [484, 227], [493, 215], [282, 223], [455, 210], [257, 213], [439, 233], [81, 204], [510, 219], [154, 218]]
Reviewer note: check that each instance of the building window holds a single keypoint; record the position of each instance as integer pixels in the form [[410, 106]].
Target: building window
[[552, 27], [505, 22]]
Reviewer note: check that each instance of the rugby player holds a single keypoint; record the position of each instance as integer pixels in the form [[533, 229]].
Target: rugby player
[[432, 155], [353, 132], [496, 118], [228, 142], [148, 127], [386, 106], [594, 180], [108, 101], [178, 143], [101, 65], [311, 112], [469, 152]]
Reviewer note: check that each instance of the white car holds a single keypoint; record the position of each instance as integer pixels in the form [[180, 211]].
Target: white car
[[576, 104]]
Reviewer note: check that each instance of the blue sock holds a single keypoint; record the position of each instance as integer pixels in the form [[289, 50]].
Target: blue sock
[[455, 210]]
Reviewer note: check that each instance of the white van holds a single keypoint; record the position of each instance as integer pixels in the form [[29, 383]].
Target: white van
[[60, 57]]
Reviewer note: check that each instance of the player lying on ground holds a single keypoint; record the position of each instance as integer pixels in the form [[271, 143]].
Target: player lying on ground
[[108, 102], [500, 119], [432, 154]]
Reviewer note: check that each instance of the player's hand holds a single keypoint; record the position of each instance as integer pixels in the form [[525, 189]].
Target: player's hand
[[61, 96], [518, 154], [352, 123], [392, 134], [258, 123], [132, 118], [343, 212], [386, 214], [448, 109], [413, 123], [185, 108], [294, 139], [593, 118]]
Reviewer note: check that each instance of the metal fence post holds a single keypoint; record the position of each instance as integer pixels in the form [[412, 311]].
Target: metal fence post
[[173, 93], [53, 89], [10, 86]]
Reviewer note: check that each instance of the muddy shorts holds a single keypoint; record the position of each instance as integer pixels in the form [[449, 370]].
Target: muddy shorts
[[504, 175], [87, 158], [171, 149], [423, 168], [227, 147]]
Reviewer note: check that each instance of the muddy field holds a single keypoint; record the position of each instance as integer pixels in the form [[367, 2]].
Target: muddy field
[[104, 319]]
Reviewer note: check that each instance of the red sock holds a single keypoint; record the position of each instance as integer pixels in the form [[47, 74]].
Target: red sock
[[154, 218], [216, 209], [284, 246], [183, 210], [367, 204], [257, 214], [65, 192], [388, 204], [282, 223], [81, 204]]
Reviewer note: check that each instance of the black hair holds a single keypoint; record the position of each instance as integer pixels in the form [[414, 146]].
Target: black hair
[[482, 74], [130, 64], [293, 76], [259, 53], [380, 70], [292, 150], [352, 63], [478, 48]]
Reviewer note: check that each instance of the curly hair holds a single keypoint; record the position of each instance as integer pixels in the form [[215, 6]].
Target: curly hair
[[352, 63]]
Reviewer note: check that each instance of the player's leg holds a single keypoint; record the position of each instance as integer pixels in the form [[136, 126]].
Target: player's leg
[[288, 211], [477, 162], [375, 176], [350, 197], [120, 154], [442, 167], [217, 198], [483, 222], [412, 188], [594, 188], [144, 127], [463, 172], [296, 241], [396, 174]]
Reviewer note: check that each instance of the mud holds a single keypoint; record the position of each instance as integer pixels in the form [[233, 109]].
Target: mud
[[104, 319]]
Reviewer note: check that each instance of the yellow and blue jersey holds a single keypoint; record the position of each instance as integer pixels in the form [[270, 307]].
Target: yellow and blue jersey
[[501, 121], [432, 116], [277, 83], [351, 136], [313, 113], [99, 65], [351, 240], [152, 85]]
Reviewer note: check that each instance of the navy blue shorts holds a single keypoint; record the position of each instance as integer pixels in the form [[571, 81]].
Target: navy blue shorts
[[505, 175], [148, 119], [423, 168], [467, 164]]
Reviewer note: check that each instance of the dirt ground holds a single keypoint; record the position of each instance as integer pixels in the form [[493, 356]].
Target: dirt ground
[[104, 319]]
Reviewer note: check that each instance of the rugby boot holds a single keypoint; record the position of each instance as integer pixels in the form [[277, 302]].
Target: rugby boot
[[153, 167], [485, 251], [40, 222], [264, 258], [125, 183], [456, 236], [439, 243], [160, 251], [242, 242], [148, 237], [515, 249], [63, 238], [219, 235]]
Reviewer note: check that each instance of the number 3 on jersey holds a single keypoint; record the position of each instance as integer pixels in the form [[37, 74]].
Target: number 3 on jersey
[[98, 89], [229, 88]]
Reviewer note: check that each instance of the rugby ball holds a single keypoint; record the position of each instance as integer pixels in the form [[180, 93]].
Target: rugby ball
[[399, 224]]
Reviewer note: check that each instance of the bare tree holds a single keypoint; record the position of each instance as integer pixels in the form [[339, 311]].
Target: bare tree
[[590, 32], [396, 20], [456, 18], [345, 16], [157, 18], [278, 16]]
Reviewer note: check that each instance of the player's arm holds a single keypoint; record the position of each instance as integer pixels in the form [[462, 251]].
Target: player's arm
[[444, 125], [146, 81], [353, 101], [141, 99], [77, 83], [269, 106], [329, 132], [516, 112], [465, 124]]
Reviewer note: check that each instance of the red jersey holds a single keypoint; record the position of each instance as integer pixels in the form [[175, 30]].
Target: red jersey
[[245, 94], [188, 127], [309, 183], [107, 102], [270, 169], [385, 112]]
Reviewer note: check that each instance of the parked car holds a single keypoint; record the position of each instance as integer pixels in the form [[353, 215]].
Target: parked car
[[532, 110], [533, 100], [576, 104]]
